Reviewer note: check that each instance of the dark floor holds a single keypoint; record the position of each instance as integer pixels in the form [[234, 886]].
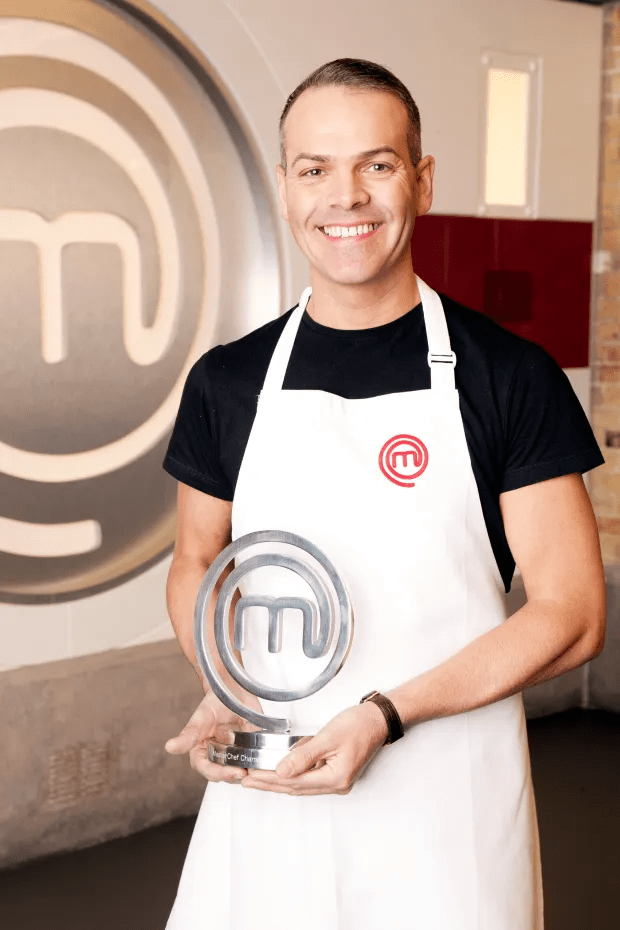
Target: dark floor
[[129, 884]]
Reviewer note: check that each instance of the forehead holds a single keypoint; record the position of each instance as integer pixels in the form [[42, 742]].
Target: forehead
[[342, 120]]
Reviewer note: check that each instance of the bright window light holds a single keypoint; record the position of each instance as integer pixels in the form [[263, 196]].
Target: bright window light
[[510, 89], [507, 137]]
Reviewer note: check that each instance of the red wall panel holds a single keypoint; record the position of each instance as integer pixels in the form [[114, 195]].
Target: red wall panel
[[532, 276]]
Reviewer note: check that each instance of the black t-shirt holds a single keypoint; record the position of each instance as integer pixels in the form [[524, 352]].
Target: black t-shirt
[[522, 419]]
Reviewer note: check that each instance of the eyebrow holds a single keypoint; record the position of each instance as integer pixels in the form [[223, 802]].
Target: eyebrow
[[323, 159]]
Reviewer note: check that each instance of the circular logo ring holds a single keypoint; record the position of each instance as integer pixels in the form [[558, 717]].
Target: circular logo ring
[[327, 615], [222, 631], [403, 445], [70, 115]]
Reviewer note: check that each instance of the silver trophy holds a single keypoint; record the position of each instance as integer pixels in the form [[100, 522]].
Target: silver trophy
[[329, 611]]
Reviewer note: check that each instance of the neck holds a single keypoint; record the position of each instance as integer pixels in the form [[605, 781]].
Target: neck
[[362, 306]]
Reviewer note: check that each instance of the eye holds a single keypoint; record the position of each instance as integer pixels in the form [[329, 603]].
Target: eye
[[383, 167], [309, 173]]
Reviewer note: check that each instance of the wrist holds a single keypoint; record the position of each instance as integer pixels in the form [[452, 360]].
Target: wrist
[[394, 724], [396, 698], [376, 722]]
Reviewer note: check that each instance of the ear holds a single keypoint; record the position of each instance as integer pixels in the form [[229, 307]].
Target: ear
[[425, 170], [282, 191]]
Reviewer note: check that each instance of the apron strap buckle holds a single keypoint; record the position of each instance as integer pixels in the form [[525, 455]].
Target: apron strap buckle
[[441, 358]]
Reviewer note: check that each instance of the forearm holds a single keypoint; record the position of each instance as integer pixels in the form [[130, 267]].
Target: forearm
[[184, 581], [542, 640]]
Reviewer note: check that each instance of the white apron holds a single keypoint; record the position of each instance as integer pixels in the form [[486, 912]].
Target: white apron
[[439, 832]]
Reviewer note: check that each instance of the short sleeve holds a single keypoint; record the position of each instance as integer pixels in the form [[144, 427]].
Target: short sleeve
[[192, 455], [547, 433]]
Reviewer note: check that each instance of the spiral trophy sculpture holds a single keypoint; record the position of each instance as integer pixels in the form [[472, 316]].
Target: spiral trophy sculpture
[[327, 617]]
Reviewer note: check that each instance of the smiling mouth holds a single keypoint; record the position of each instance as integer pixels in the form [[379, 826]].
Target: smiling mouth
[[349, 232]]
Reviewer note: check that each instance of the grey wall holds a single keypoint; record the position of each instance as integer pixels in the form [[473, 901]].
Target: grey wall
[[83, 756]]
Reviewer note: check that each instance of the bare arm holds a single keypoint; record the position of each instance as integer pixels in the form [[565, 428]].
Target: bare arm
[[552, 532], [562, 567], [203, 530]]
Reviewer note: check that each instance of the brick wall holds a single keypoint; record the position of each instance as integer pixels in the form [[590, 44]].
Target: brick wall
[[605, 332]]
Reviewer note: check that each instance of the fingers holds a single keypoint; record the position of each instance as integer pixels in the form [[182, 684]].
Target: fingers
[[199, 726], [301, 759], [186, 740], [199, 761], [292, 790], [309, 768], [316, 766], [323, 780]]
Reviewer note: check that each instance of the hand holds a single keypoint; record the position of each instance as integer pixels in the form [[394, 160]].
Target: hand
[[211, 720], [329, 762]]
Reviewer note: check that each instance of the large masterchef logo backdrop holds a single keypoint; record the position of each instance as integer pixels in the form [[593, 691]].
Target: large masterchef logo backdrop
[[129, 226]]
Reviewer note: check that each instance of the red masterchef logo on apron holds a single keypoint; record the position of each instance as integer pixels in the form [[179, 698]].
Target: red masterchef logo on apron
[[402, 459]]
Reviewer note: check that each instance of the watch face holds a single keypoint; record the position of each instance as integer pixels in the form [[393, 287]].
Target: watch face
[[130, 206]]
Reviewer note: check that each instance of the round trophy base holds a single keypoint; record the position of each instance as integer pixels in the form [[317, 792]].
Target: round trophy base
[[256, 750]]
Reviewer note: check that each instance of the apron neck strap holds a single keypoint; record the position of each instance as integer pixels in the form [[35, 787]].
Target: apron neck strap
[[441, 358], [282, 352]]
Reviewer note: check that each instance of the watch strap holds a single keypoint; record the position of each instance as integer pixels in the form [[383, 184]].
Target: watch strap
[[392, 717]]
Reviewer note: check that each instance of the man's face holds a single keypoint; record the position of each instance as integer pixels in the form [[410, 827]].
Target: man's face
[[350, 192]]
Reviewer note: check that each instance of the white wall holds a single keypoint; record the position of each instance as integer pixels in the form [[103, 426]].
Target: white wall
[[435, 48], [261, 50], [131, 614]]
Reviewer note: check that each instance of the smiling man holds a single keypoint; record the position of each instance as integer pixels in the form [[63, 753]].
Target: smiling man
[[425, 450], [352, 208]]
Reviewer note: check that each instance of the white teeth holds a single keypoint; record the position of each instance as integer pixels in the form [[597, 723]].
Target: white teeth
[[341, 232]]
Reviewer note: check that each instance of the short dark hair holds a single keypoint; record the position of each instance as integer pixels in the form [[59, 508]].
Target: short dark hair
[[359, 74]]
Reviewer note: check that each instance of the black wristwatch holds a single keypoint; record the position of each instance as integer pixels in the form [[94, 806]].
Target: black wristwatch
[[392, 717]]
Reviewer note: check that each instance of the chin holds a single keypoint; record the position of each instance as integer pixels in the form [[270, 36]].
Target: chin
[[353, 277], [348, 275], [353, 280]]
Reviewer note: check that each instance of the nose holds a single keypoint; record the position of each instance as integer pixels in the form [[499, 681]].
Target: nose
[[347, 190]]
